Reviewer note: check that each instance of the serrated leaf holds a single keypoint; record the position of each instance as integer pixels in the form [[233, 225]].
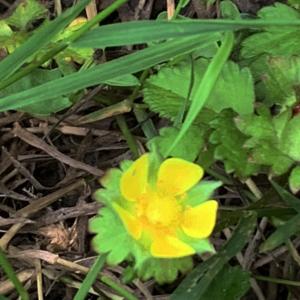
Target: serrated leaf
[[230, 149], [275, 40], [166, 91], [278, 79], [294, 180], [164, 270], [231, 283], [37, 77], [189, 147], [27, 12], [110, 232], [265, 134]]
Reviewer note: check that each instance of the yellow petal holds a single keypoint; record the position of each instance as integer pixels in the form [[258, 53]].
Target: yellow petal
[[170, 247], [134, 180], [199, 221], [176, 176], [131, 223]]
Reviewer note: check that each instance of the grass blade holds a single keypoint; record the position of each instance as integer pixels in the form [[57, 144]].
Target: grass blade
[[125, 65], [287, 197], [199, 280], [282, 234], [90, 278], [206, 86], [6, 266], [42, 37], [137, 32]]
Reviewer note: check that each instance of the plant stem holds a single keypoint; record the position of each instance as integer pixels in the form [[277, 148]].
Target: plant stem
[[277, 280], [128, 136]]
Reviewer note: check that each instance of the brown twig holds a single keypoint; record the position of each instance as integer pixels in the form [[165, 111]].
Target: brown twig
[[36, 142]]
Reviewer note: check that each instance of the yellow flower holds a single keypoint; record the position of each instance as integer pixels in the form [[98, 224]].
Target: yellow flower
[[158, 215]]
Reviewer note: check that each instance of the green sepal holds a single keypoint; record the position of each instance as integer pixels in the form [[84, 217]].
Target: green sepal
[[201, 192], [164, 270]]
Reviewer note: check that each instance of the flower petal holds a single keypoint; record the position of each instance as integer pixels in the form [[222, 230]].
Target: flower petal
[[134, 180], [176, 176], [199, 221], [165, 246], [131, 223]]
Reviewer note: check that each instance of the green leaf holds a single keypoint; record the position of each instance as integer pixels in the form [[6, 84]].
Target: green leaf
[[290, 142], [229, 10], [282, 234], [294, 180], [275, 40], [35, 78], [112, 237], [204, 89], [287, 197], [125, 65], [90, 278], [199, 281], [190, 145], [266, 136], [27, 12], [174, 83], [230, 149], [231, 283], [164, 270], [278, 79], [5, 32], [40, 38], [228, 94], [136, 32], [202, 192]]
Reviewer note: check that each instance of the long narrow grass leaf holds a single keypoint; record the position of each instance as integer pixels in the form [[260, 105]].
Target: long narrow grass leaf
[[10, 273], [206, 86], [137, 32], [90, 278], [199, 280], [40, 38], [125, 65]]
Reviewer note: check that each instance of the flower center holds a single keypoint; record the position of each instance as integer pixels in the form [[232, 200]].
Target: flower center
[[159, 210]]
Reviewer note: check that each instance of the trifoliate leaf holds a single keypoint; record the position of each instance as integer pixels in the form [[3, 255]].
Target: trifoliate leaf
[[290, 142], [35, 78], [294, 180], [167, 91], [164, 270], [278, 79], [27, 12], [230, 149], [275, 40], [189, 147]]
